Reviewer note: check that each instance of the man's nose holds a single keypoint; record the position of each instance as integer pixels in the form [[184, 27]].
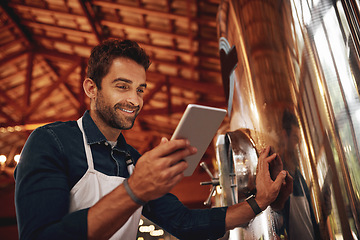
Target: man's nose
[[133, 98]]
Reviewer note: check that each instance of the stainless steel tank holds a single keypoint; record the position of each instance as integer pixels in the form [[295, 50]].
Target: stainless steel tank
[[291, 75]]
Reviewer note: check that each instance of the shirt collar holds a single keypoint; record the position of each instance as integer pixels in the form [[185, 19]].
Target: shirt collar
[[94, 135]]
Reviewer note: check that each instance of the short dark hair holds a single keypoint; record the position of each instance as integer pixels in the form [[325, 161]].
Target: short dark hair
[[103, 55]]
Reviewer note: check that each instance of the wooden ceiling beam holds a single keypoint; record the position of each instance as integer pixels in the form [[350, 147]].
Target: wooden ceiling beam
[[195, 86], [63, 30], [15, 19], [6, 116], [43, 11], [7, 27], [171, 35], [72, 96], [109, 5], [9, 101], [176, 64], [144, 30], [163, 111], [177, 108], [11, 43], [153, 91], [191, 37], [82, 95], [10, 77], [163, 50], [157, 126], [141, 10], [49, 90], [10, 59], [65, 56], [168, 93], [161, 14], [48, 64], [28, 78], [58, 56], [92, 24], [175, 52], [95, 26], [147, 47]]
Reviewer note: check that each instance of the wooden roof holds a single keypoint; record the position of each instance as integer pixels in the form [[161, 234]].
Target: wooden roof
[[44, 45]]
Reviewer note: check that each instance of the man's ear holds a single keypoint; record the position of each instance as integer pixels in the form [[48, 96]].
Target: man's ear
[[90, 88]]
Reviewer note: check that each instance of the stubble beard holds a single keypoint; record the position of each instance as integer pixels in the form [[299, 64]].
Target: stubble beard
[[111, 116]]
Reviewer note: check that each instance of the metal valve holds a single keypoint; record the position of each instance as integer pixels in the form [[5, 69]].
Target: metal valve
[[214, 182]]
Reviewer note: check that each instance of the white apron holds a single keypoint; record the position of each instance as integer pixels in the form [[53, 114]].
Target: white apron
[[94, 185]]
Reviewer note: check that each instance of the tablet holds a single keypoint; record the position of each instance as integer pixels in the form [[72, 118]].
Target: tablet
[[199, 125]]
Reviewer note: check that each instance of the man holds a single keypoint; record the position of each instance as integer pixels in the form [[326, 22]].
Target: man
[[77, 180]]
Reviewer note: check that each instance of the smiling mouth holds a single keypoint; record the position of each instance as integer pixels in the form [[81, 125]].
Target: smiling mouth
[[127, 111], [127, 108]]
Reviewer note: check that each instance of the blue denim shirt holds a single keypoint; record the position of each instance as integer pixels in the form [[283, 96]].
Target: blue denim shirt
[[53, 160]]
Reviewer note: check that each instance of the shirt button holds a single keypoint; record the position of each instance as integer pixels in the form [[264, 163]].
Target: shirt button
[[106, 143]]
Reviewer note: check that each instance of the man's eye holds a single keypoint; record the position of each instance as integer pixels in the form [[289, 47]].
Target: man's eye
[[122, 87], [140, 90]]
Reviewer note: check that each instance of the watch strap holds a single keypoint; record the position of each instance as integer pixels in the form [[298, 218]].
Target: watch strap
[[253, 204]]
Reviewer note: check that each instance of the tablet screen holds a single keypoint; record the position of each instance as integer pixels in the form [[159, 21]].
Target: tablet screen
[[199, 125]]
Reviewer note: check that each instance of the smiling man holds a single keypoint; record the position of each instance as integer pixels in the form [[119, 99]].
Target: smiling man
[[117, 100], [81, 180]]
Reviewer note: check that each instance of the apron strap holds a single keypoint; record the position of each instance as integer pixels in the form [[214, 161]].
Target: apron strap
[[88, 153]]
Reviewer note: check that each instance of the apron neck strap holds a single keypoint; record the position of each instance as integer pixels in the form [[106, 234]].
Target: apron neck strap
[[88, 152], [86, 146]]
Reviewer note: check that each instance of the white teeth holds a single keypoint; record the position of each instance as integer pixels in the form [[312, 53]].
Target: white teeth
[[128, 111]]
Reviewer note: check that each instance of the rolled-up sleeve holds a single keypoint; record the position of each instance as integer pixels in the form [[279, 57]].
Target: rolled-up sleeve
[[42, 191], [169, 213]]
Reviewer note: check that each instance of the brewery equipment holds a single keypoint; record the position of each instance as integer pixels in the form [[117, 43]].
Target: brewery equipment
[[291, 75]]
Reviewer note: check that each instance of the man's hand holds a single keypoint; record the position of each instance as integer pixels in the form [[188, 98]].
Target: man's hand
[[285, 191], [267, 191], [160, 169], [267, 188], [275, 167]]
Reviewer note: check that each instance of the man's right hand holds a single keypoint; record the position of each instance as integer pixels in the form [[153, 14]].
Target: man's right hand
[[267, 191], [160, 169], [268, 187]]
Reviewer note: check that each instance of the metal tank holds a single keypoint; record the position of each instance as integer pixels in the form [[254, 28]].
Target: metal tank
[[291, 75]]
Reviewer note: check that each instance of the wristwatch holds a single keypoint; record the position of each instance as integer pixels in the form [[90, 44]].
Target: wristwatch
[[253, 204]]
